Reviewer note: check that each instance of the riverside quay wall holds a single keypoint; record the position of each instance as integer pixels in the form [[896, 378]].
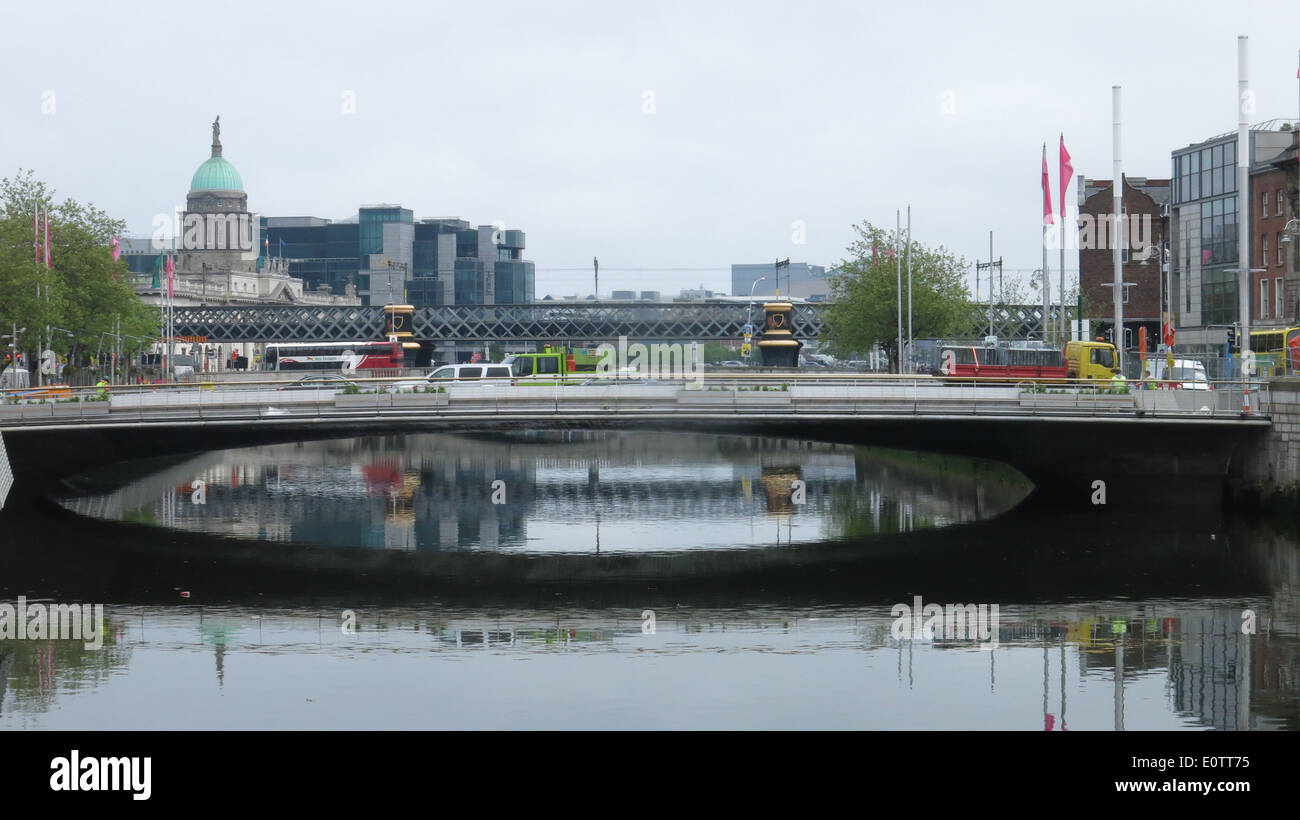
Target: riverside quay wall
[[1269, 467]]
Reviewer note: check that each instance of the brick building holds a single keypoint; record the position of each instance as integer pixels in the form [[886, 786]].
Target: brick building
[[1145, 204], [1275, 291]]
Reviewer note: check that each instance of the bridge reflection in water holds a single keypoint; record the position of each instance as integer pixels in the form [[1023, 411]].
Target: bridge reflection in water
[[560, 492], [1107, 620]]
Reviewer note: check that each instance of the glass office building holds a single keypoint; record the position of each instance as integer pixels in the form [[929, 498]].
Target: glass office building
[[1206, 216], [389, 255]]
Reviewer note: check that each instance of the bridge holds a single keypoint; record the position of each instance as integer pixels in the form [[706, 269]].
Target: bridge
[[641, 321], [1078, 446]]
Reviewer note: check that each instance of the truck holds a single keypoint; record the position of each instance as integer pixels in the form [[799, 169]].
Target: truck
[[554, 365], [1091, 360], [1028, 361]]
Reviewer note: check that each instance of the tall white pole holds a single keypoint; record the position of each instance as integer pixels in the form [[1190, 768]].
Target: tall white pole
[[1118, 236], [1243, 197], [1047, 280], [911, 341], [898, 261], [1063, 338]]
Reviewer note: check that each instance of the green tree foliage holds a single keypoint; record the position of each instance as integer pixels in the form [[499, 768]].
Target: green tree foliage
[[865, 294], [715, 353], [83, 291]]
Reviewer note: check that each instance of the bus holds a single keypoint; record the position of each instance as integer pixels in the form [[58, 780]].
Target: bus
[[334, 356], [1277, 350]]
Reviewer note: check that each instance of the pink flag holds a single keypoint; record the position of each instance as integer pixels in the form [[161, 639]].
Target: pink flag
[[116, 246], [1067, 173], [47, 239], [1047, 192], [170, 269], [36, 232]]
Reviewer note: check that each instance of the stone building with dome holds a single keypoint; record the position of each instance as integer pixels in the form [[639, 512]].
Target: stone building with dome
[[218, 252]]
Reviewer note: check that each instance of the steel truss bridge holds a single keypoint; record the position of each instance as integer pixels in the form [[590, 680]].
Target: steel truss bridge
[[640, 321]]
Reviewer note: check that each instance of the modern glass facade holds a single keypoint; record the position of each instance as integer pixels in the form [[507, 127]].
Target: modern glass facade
[[1205, 180], [339, 254]]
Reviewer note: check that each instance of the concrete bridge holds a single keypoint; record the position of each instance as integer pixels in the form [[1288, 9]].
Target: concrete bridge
[[1080, 448]]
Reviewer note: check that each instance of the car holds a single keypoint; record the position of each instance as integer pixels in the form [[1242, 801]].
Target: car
[[1186, 374], [732, 363], [319, 381]]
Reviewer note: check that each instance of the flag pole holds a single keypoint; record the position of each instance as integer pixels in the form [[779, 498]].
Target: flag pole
[[1047, 210], [911, 341], [898, 262], [1061, 182]]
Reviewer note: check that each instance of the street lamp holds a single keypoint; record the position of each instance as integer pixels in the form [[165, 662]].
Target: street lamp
[[749, 315]]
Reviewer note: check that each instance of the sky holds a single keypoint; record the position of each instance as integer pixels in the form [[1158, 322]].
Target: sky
[[670, 140]]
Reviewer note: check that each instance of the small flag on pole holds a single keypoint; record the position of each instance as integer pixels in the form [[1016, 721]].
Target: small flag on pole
[[47, 239], [171, 268], [115, 244]]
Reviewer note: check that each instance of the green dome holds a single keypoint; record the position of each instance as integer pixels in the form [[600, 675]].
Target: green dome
[[216, 175]]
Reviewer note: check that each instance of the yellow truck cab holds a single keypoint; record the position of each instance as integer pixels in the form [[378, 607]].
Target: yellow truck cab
[[1091, 360]]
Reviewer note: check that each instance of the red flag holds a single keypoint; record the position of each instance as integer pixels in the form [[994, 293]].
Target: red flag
[[116, 246], [47, 239], [1067, 173], [36, 232], [170, 269], [1047, 192]]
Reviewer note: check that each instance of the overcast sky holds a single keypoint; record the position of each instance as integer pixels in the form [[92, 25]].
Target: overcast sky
[[657, 136]]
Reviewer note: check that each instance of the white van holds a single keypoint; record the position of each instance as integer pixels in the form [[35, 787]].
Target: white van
[[1187, 374], [15, 378], [480, 373]]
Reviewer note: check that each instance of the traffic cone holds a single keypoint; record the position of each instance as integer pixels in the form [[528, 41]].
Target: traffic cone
[[1245, 402]]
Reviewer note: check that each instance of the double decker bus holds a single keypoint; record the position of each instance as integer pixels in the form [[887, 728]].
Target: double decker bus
[[335, 356], [1277, 350]]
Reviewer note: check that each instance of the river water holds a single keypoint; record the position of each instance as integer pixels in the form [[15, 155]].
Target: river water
[[586, 580]]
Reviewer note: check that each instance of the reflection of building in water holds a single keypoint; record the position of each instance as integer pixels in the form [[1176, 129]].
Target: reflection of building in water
[[437, 491]]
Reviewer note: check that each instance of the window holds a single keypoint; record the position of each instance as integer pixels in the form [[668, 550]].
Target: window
[[1278, 212], [498, 372], [1263, 298], [522, 367], [444, 373], [470, 372], [1264, 211], [548, 364], [1278, 302], [1263, 251]]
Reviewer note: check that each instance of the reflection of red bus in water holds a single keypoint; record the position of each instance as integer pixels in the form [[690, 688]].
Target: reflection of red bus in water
[[338, 356], [986, 361]]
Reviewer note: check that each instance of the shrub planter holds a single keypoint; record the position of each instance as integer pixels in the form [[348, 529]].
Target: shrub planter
[[418, 400], [363, 401]]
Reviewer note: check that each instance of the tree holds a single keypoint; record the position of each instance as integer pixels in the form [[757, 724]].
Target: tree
[[864, 288], [496, 352], [715, 352], [84, 291]]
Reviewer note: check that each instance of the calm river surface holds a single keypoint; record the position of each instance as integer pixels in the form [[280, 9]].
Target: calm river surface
[[635, 581]]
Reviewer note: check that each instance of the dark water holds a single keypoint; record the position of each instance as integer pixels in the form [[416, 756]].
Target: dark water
[[613, 581]]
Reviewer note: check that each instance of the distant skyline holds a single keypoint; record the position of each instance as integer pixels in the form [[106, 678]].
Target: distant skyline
[[671, 140]]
